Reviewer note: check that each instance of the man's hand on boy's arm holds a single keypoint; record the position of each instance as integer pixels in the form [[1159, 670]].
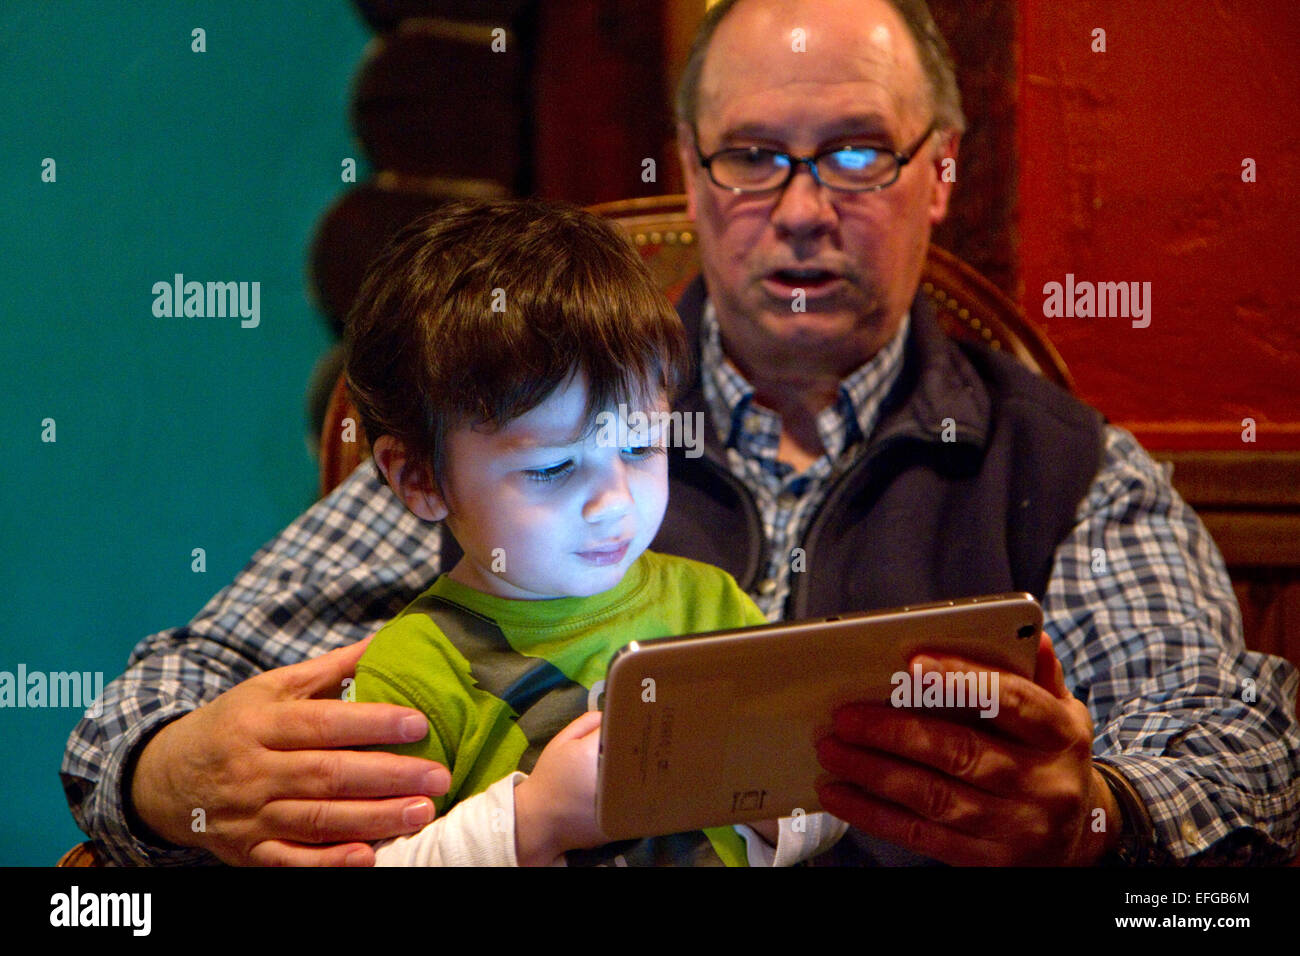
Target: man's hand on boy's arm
[[555, 808], [261, 762]]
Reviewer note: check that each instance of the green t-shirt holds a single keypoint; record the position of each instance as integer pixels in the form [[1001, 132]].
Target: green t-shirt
[[515, 673]]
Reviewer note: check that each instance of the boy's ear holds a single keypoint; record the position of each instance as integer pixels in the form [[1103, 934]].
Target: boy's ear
[[411, 479]]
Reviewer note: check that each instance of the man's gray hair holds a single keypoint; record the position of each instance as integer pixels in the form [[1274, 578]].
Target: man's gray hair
[[931, 48]]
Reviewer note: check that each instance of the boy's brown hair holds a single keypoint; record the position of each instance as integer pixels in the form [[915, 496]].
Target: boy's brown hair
[[474, 314]]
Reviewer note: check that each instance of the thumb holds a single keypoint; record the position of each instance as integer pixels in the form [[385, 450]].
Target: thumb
[[584, 725], [1047, 671], [321, 675]]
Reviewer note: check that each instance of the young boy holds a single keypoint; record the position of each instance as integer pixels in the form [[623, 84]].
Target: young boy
[[484, 347]]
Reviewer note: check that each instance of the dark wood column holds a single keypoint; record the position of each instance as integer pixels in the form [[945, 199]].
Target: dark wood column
[[981, 221]]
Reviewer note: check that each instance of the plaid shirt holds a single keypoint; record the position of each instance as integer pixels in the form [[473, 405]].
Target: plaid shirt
[[788, 499], [1139, 608]]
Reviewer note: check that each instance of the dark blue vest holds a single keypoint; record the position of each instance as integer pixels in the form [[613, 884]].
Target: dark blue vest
[[917, 518]]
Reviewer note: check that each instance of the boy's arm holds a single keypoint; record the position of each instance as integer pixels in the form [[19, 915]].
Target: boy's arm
[[328, 580], [798, 838], [411, 663], [478, 831]]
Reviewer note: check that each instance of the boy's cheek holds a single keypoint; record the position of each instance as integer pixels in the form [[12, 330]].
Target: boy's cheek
[[657, 497]]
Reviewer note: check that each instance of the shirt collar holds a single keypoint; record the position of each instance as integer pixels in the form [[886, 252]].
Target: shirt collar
[[850, 418]]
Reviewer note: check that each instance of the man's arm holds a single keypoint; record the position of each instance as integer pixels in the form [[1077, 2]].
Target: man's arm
[[328, 580], [1142, 615]]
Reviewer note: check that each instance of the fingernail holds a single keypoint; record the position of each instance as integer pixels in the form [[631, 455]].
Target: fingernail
[[357, 858], [925, 663], [414, 728], [437, 782], [417, 814]]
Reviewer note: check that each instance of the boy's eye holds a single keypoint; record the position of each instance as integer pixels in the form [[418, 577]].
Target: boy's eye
[[553, 473], [643, 452]]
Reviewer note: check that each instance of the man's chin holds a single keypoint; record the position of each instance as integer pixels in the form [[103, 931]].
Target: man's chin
[[828, 328], [825, 341]]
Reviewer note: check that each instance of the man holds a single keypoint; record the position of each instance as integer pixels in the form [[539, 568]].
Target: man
[[827, 388]]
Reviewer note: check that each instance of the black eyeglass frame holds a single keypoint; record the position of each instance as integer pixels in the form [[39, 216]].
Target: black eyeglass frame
[[900, 160]]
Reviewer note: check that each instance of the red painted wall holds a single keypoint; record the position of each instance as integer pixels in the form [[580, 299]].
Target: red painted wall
[[1132, 171]]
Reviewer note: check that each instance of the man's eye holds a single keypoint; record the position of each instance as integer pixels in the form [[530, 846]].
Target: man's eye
[[553, 473], [752, 159], [855, 159], [755, 157]]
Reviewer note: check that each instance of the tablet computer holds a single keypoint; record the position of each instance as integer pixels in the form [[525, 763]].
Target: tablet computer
[[713, 729]]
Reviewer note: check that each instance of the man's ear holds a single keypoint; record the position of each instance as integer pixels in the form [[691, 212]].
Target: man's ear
[[690, 164], [945, 175], [410, 479]]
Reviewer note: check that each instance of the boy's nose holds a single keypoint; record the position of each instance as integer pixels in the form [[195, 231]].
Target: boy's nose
[[610, 496]]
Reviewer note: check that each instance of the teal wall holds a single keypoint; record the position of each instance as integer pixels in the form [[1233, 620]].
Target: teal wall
[[172, 434]]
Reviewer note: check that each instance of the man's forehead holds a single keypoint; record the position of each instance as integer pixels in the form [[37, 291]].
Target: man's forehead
[[769, 125], [769, 55]]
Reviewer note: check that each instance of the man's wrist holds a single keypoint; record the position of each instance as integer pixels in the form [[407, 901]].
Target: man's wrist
[[1132, 842], [143, 792], [108, 812], [1104, 822]]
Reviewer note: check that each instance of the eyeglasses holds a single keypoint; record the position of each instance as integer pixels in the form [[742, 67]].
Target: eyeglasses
[[854, 169]]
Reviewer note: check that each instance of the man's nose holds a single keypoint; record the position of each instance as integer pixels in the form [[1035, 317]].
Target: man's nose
[[804, 206], [609, 495]]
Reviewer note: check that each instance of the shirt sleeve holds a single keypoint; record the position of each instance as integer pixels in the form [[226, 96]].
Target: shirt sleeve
[[1143, 617], [799, 838], [478, 831], [331, 578]]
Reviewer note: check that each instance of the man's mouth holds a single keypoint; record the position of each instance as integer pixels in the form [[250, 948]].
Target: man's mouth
[[811, 281], [605, 554]]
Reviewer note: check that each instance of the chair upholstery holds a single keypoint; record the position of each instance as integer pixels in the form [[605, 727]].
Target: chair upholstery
[[968, 306]]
